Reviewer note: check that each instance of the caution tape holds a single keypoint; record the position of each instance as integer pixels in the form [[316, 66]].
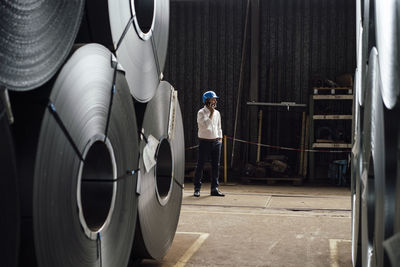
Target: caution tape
[[282, 147], [290, 148]]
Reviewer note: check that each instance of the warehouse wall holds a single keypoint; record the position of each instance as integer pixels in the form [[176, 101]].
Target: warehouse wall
[[299, 40]]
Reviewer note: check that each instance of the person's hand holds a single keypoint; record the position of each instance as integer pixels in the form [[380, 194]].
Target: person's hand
[[211, 108], [211, 105]]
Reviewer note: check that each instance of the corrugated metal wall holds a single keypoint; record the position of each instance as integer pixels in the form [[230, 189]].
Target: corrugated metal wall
[[299, 39]]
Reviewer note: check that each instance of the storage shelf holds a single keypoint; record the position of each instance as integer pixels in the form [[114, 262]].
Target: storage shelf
[[333, 117], [343, 96], [331, 145], [333, 90], [332, 97]]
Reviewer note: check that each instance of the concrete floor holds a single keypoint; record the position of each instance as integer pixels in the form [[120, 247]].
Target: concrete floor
[[260, 225]]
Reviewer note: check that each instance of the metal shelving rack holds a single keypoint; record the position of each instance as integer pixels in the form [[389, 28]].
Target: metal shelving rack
[[332, 117]]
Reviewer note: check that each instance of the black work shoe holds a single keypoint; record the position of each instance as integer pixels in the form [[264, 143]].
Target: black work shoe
[[217, 193], [196, 193]]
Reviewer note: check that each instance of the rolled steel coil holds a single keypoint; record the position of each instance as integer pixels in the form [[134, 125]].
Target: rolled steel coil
[[35, 39], [358, 21], [355, 179], [384, 146], [392, 249], [360, 73], [364, 46], [396, 221], [376, 170], [368, 194], [388, 44], [9, 203], [139, 31], [380, 170], [81, 193], [380, 88], [160, 186]]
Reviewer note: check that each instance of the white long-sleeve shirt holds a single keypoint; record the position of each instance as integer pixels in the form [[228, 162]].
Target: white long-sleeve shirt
[[209, 128]]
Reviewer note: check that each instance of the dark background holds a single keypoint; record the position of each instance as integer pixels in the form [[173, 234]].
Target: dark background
[[298, 41]]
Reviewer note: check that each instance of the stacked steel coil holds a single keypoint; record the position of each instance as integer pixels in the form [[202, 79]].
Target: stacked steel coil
[[140, 35], [160, 185], [35, 40], [74, 182], [9, 203], [376, 149]]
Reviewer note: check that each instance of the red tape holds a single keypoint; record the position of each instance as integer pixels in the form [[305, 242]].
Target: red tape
[[283, 148]]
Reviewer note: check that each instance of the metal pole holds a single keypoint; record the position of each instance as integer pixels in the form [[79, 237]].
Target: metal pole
[[240, 79], [260, 115], [225, 162], [303, 122]]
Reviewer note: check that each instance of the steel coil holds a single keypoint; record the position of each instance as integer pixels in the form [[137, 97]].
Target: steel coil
[[355, 180], [358, 22], [367, 212], [392, 245], [376, 171], [379, 84], [368, 194], [161, 185], [81, 194], [139, 31], [360, 72], [35, 39], [388, 44], [384, 146], [9, 204], [363, 46], [397, 212]]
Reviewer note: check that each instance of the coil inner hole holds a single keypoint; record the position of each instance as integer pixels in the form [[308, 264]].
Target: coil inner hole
[[144, 10], [164, 169], [97, 196]]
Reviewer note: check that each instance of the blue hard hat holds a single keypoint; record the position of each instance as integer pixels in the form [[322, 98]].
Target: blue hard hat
[[209, 94]]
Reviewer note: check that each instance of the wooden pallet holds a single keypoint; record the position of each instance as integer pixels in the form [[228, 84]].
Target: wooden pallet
[[273, 180], [333, 90]]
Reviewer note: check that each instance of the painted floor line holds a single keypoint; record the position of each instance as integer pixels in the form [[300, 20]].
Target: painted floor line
[[267, 202], [280, 195], [333, 245], [192, 249], [264, 207], [270, 214]]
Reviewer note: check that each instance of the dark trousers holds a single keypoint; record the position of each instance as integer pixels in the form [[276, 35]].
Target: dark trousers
[[208, 149]]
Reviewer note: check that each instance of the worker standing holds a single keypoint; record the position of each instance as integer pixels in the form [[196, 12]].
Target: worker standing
[[210, 142]]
